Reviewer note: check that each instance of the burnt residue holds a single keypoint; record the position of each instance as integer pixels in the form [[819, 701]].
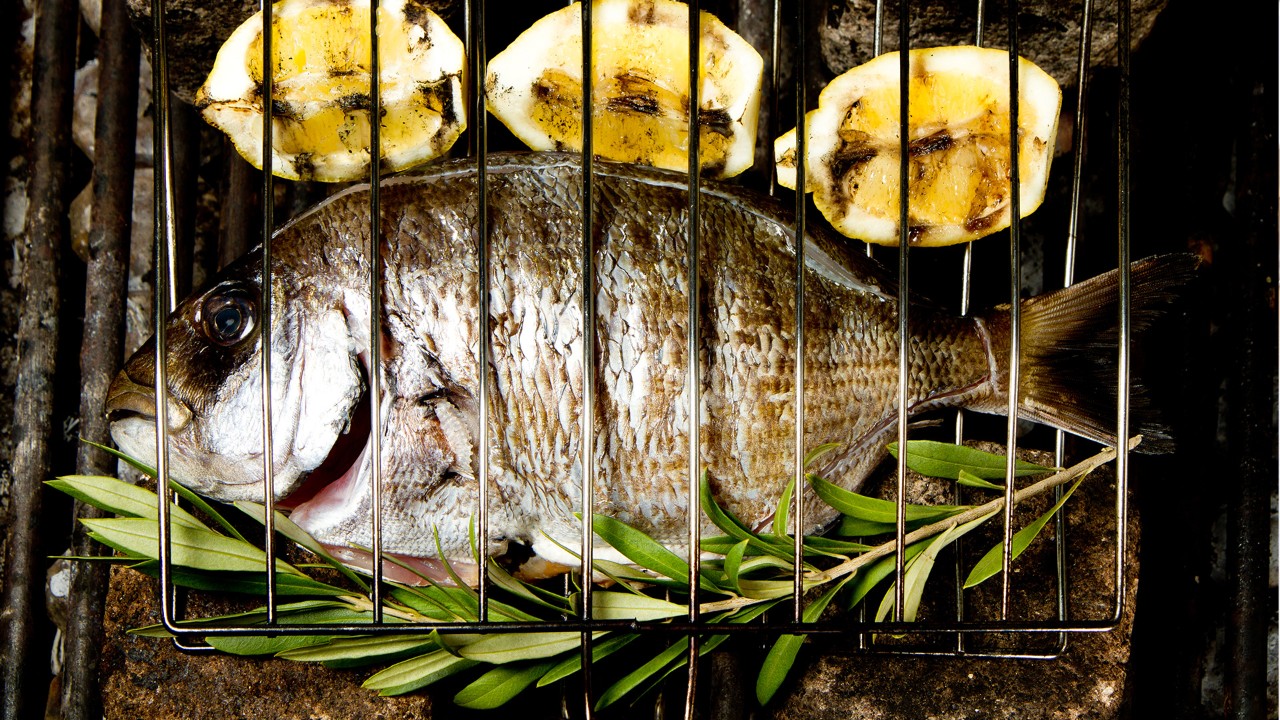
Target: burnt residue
[[852, 154], [643, 103], [304, 165], [283, 109], [442, 92], [355, 101], [716, 120], [644, 13], [978, 225], [937, 142]]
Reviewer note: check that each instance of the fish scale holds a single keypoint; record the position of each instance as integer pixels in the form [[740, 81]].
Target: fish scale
[[747, 357]]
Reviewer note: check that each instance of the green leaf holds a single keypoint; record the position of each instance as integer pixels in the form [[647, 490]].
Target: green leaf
[[964, 477], [784, 507], [419, 672], [501, 648], [119, 497], [267, 645], [834, 546], [496, 687], [438, 602], [917, 574], [203, 506], [363, 648], [612, 605], [866, 579], [247, 617], [946, 460], [634, 678], [993, 562], [290, 529], [242, 582], [136, 464], [193, 548], [573, 663], [782, 656], [875, 510], [252, 645], [448, 566], [548, 600], [733, 565], [641, 549]]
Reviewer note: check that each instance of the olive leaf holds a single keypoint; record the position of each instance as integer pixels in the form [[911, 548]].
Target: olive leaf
[[419, 672], [122, 498], [200, 549], [964, 477], [946, 460], [782, 656], [879, 511], [248, 583], [290, 529], [573, 663], [504, 648], [494, 688], [366, 648], [733, 565], [918, 572], [641, 549], [608, 605], [993, 562], [532, 593]]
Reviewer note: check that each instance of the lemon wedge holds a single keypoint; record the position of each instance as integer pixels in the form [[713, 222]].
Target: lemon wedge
[[321, 78], [959, 186], [640, 92]]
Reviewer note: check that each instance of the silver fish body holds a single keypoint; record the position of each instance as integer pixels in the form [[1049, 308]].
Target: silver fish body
[[430, 345]]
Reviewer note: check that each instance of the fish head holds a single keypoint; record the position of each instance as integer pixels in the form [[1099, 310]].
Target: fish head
[[214, 374]]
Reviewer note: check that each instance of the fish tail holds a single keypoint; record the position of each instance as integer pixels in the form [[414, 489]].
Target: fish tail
[[1068, 368]]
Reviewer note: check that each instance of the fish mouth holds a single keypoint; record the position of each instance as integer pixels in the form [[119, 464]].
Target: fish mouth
[[128, 399], [334, 479]]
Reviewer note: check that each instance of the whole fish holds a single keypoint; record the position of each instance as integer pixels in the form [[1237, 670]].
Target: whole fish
[[320, 342]]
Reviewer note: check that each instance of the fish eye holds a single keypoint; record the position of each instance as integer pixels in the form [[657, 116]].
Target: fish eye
[[228, 317]]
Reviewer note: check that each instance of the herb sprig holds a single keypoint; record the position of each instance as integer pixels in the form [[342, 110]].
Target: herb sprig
[[752, 574]]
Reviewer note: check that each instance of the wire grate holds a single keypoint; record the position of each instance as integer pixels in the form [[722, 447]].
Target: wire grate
[[868, 633]]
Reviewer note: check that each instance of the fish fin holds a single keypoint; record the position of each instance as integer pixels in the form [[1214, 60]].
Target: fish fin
[[1068, 349]]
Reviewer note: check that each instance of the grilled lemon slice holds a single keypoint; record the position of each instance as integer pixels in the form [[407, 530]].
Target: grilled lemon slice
[[321, 79], [640, 91], [960, 169]]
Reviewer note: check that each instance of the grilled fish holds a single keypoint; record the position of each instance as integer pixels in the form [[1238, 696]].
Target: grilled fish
[[320, 344]]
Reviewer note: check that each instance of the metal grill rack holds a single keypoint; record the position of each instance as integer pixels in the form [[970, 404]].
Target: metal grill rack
[[866, 631], [959, 635]]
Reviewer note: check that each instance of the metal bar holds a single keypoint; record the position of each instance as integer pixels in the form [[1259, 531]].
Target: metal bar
[[775, 119], [1015, 313], [375, 305], [588, 269], [797, 497], [904, 347], [102, 347], [265, 307], [674, 627], [163, 303], [1123, 121], [694, 284], [27, 633], [1079, 133], [966, 288], [475, 10]]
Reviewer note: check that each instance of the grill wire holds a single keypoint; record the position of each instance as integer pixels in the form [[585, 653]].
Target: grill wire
[[865, 632], [475, 10]]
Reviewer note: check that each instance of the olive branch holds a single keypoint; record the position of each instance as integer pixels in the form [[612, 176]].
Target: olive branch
[[752, 573]]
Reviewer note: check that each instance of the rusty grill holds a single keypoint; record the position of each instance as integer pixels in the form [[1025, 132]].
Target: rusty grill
[[959, 634]]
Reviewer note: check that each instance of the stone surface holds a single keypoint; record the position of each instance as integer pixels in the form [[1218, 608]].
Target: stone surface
[[1048, 32], [149, 678]]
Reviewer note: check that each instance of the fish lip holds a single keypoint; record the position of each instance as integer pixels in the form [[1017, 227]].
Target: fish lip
[[129, 399]]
